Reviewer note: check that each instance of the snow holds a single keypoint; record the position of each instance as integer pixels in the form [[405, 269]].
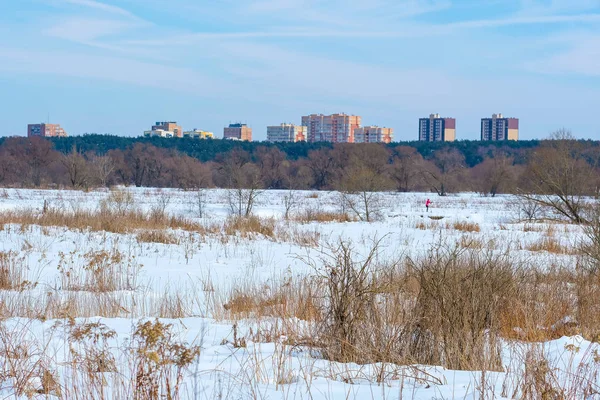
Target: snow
[[265, 370]]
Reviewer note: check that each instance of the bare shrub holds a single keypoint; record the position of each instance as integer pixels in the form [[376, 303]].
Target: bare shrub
[[571, 375], [159, 361], [242, 201], [13, 271], [102, 271], [529, 210], [90, 359], [23, 363], [350, 293], [119, 202], [158, 211], [366, 205], [461, 294]]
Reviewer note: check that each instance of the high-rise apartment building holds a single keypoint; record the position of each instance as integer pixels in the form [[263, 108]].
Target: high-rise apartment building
[[336, 128], [45, 130], [499, 128], [238, 131], [436, 129], [373, 134], [286, 133]]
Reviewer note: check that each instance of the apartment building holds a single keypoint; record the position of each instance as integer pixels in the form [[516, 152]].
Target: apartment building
[[437, 129], [286, 133], [373, 134], [198, 134], [335, 128], [169, 126], [45, 130], [238, 132], [499, 128], [167, 129]]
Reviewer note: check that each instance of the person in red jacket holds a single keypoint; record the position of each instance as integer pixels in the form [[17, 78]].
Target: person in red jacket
[[427, 204]]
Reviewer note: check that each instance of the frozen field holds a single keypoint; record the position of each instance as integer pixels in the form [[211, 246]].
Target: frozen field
[[71, 319]]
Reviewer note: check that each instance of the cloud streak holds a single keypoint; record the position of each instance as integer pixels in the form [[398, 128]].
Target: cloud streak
[[97, 5]]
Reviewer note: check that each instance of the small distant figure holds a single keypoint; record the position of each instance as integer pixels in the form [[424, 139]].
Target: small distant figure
[[427, 204]]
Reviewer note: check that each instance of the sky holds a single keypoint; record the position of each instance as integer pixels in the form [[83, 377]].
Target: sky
[[117, 66]]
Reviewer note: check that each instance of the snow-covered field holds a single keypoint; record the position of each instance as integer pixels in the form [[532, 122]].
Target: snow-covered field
[[56, 317]]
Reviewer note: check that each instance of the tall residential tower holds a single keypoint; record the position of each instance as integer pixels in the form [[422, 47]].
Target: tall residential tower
[[499, 128], [335, 128], [436, 129]]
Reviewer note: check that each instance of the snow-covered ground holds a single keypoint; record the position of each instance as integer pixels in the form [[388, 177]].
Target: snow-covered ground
[[198, 270]]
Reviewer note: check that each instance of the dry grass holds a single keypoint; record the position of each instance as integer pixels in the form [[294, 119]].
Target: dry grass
[[464, 226], [98, 220], [296, 235], [309, 215], [247, 227], [157, 236], [551, 245], [425, 226], [12, 272]]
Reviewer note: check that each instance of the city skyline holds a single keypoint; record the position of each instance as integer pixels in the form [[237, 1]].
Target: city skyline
[[96, 66]]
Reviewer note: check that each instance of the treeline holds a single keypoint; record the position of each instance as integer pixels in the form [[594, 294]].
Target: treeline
[[104, 160]]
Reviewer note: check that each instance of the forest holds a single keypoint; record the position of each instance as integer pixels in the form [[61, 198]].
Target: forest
[[485, 167]]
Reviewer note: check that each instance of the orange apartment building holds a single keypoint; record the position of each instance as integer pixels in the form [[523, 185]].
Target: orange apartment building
[[335, 128], [238, 132]]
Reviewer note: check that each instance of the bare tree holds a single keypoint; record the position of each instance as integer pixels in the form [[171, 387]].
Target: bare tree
[[201, 200], [77, 168], [493, 174], [321, 165], [290, 202], [102, 167], [362, 183], [442, 171], [272, 164], [560, 177], [405, 167], [245, 189]]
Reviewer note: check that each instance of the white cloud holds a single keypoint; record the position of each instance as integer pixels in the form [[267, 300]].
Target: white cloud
[[81, 29], [109, 68], [582, 57], [97, 5]]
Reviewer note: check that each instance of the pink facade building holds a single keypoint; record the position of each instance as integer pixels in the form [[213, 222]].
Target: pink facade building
[[335, 128], [45, 130], [373, 134]]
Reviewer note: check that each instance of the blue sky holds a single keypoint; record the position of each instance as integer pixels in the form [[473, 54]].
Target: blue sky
[[116, 66]]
